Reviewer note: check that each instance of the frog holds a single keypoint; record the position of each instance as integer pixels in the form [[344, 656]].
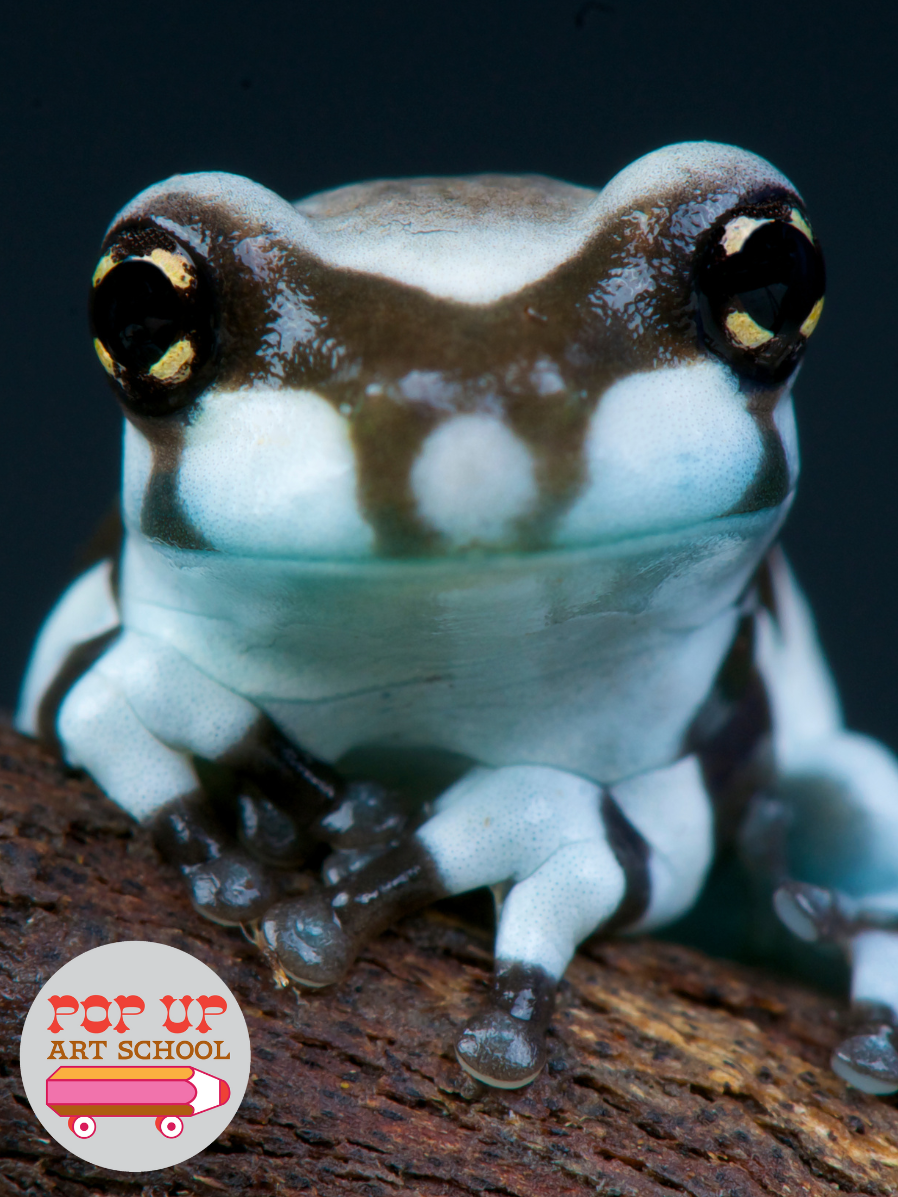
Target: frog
[[448, 560]]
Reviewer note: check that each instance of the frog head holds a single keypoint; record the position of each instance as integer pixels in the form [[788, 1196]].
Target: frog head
[[431, 367]]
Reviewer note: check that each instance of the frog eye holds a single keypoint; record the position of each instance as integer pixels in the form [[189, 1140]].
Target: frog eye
[[759, 287], [153, 319]]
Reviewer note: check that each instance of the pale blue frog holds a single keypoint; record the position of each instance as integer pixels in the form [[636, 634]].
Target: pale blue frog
[[448, 515]]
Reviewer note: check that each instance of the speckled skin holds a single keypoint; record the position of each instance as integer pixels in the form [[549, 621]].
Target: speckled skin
[[447, 511]]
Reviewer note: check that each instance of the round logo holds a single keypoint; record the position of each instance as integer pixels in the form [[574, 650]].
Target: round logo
[[135, 1056]]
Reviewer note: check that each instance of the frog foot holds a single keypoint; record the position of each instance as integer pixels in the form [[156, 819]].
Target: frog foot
[[308, 940], [225, 884], [316, 937], [289, 801], [868, 1060], [814, 914], [232, 889], [268, 832], [366, 814], [233, 854], [505, 1045]]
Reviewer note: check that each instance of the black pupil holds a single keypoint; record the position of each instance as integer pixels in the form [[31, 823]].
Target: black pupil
[[138, 314], [776, 277]]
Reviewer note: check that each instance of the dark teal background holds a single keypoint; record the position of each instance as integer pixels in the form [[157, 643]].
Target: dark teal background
[[97, 101]]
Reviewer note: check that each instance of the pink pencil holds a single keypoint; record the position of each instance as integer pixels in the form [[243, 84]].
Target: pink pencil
[[167, 1092]]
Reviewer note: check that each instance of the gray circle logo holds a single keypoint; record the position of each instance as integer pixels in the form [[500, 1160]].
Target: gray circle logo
[[135, 1056]]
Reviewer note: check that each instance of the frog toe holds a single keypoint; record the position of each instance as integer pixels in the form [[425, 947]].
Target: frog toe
[[231, 889], [367, 813], [502, 1051], [272, 835], [810, 912], [309, 940], [225, 884], [505, 1045], [342, 863], [316, 937], [869, 1061]]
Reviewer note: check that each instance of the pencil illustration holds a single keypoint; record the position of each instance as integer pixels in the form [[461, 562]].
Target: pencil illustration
[[168, 1093]]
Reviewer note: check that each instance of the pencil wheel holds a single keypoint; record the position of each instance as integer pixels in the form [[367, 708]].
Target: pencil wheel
[[169, 1125], [82, 1125]]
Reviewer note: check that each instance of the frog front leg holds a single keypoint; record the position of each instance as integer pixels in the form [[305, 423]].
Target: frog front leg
[[138, 720], [140, 717], [574, 858]]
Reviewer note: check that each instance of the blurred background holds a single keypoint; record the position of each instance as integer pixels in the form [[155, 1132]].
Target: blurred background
[[98, 101]]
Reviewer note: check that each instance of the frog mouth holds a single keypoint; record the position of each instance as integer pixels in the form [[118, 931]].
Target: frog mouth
[[732, 528]]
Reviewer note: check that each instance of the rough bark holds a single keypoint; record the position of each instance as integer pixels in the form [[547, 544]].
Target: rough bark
[[670, 1072]]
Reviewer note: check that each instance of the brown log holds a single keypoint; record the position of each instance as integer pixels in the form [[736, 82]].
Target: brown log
[[669, 1073]]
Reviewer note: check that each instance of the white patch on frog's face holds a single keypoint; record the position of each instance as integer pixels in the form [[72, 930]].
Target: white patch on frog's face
[[665, 449], [472, 479], [457, 258], [271, 473]]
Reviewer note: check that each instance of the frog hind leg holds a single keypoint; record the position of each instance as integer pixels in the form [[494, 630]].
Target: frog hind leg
[[839, 792], [571, 856]]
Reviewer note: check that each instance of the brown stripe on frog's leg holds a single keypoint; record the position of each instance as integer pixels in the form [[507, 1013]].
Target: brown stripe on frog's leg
[[82, 625], [731, 734], [632, 852], [317, 937], [76, 664]]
